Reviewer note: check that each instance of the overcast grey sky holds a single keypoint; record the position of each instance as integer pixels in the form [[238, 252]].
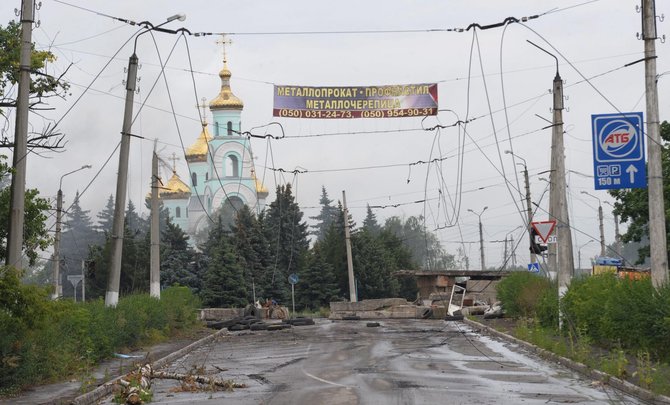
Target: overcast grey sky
[[476, 71]]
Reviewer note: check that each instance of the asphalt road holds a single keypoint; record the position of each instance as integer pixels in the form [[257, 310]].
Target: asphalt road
[[400, 362]]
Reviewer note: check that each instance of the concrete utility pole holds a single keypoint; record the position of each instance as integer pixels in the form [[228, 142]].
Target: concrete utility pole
[[350, 262], [154, 274], [560, 253], [657, 235], [617, 236], [579, 254], [603, 249], [83, 281], [20, 155], [529, 208], [114, 278], [58, 291], [58, 288], [564, 258], [481, 238]]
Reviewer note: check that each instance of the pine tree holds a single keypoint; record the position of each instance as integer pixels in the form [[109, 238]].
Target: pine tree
[[252, 250], [106, 217], [287, 236], [78, 234], [326, 217], [317, 285], [370, 222], [374, 267], [177, 259], [223, 283], [135, 223], [134, 264]]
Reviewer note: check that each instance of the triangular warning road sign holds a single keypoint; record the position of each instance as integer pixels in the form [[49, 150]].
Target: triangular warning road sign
[[544, 229]]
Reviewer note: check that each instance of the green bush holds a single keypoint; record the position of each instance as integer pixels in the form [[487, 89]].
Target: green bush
[[617, 312], [523, 294], [43, 340]]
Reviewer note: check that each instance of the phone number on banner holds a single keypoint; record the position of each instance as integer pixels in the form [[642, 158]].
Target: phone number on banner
[[406, 112]]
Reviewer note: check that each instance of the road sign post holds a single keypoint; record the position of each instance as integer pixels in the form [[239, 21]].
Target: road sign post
[[293, 280], [618, 151]]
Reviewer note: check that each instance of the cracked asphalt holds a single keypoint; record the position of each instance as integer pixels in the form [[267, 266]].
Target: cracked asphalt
[[400, 362]]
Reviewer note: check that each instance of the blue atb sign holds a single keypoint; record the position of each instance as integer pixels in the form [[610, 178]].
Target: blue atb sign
[[534, 267], [618, 151]]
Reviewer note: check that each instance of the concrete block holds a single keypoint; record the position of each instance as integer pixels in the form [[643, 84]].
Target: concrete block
[[220, 314], [366, 305]]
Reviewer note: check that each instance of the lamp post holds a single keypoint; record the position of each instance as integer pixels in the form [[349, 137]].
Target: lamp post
[[512, 254], [579, 253], [600, 221], [529, 209], [58, 289], [617, 236], [481, 237], [114, 278]]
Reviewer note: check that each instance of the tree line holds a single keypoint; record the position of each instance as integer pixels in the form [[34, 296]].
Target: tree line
[[246, 257]]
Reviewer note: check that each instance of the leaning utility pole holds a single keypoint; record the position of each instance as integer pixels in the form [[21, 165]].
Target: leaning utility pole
[[657, 235], [533, 258], [558, 187], [155, 275], [350, 262], [603, 249], [481, 245], [20, 156], [114, 278], [58, 292]]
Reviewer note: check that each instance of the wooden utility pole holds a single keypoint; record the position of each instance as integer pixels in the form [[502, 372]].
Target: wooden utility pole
[[154, 272], [20, 156], [657, 235], [350, 262]]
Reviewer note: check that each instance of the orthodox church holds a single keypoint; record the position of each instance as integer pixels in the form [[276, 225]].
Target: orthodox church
[[221, 168]]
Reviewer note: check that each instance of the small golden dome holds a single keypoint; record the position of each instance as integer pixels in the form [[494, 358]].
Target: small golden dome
[[226, 100], [198, 151], [260, 188], [175, 189]]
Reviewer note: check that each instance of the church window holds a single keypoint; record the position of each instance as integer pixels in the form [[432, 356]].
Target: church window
[[177, 212], [206, 176], [230, 127], [194, 179], [216, 129], [186, 212], [232, 166]]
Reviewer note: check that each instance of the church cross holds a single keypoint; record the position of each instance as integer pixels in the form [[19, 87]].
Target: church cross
[[223, 41], [174, 162], [204, 110]]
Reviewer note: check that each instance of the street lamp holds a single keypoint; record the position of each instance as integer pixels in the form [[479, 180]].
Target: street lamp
[[529, 209], [579, 253], [58, 289], [481, 237], [600, 220], [617, 237], [114, 277], [512, 254]]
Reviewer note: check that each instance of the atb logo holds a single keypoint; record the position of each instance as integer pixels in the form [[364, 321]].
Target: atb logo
[[619, 139]]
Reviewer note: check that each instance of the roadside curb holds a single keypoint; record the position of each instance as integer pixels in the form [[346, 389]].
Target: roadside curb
[[107, 388], [612, 381]]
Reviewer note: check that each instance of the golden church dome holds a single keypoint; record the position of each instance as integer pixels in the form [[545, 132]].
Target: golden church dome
[[226, 100], [260, 188], [174, 189], [198, 151]]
